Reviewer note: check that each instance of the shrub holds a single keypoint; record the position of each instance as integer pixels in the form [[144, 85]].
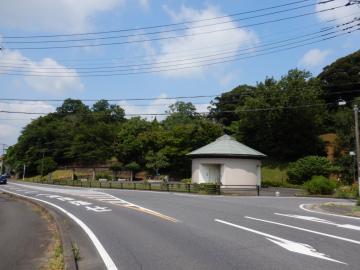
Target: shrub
[[347, 192], [103, 175], [186, 181], [206, 188], [358, 202], [320, 185], [304, 168]]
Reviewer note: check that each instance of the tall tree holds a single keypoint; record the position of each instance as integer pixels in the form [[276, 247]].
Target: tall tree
[[283, 118], [341, 79]]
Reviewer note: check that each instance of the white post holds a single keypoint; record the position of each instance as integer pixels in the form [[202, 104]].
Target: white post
[[24, 169]]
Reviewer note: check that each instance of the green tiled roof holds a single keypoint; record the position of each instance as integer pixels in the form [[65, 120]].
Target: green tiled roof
[[226, 146]]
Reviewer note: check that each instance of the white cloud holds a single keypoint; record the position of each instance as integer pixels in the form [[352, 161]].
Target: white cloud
[[227, 78], [157, 106], [58, 86], [12, 124], [341, 15], [314, 58], [191, 45], [53, 15], [144, 4]]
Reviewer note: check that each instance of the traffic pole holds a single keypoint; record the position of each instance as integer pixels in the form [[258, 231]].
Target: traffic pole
[[356, 111]]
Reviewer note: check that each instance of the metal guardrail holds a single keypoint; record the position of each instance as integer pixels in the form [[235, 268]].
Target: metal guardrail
[[163, 186]]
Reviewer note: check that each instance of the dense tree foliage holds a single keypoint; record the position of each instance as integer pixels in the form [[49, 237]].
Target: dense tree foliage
[[341, 79], [78, 135], [280, 118]]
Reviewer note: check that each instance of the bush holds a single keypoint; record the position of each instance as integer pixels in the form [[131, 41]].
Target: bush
[[358, 202], [320, 185], [305, 168], [347, 192], [103, 175], [186, 181], [206, 188]]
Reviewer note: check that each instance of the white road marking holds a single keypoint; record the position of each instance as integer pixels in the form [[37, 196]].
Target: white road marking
[[306, 230], [101, 196], [109, 263], [287, 244], [30, 192], [302, 206], [320, 220]]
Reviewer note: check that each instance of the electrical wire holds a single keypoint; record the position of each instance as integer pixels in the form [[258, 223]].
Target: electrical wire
[[178, 36], [202, 49], [160, 26], [321, 33], [154, 70], [158, 32]]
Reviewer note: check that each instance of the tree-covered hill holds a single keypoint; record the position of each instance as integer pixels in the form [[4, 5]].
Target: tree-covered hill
[[341, 79]]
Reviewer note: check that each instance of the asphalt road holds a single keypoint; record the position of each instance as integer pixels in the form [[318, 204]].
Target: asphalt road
[[154, 230], [24, 236]]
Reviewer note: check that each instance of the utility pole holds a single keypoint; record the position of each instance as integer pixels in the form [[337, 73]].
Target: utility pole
[[24, 169], [42, 164], [356, 111], [3, 155]]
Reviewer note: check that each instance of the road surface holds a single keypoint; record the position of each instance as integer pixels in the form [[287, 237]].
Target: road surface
[[155, 230]]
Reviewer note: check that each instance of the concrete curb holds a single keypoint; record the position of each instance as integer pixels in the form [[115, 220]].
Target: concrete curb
[[315, 208], [60, 221]]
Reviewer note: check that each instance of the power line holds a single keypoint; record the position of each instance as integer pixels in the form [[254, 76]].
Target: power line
[[159, 26], [156, 70], [213, 57], [25, 60], [178, 36], [321, 33], [169, 113], [158, 32]]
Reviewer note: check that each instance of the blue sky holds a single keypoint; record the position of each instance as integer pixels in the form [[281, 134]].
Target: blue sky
[[41, 17]]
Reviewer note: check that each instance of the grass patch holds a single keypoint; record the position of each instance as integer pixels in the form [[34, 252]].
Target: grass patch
[[54, 256], [274, 174], [56, 261]]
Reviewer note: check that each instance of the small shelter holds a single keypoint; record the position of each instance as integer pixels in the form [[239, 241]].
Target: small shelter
[[227, 162]]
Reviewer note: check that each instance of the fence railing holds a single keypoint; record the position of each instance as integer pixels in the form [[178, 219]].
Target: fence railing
[[153, 186]]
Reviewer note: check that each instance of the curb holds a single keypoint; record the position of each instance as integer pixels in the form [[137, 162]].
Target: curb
[[60, 222], [305, 207]]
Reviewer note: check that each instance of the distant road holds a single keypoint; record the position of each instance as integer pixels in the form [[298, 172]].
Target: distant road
[[155, 230], [24, 236]]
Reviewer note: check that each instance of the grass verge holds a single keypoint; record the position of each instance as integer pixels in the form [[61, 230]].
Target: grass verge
[[341, 209]]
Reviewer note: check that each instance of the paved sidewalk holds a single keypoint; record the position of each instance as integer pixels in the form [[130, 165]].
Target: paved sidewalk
[[24, 236]]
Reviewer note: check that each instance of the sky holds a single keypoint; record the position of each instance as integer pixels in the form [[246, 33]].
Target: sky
[[211, 47]]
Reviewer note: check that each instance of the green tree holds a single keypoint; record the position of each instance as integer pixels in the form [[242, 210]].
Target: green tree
[[180, 113], [225, 105], [156, 161], [341, 79], [133, 167], [46, 165], [283, 118]]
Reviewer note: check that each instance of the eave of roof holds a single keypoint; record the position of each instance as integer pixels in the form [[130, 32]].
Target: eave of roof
[[226, 146]]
